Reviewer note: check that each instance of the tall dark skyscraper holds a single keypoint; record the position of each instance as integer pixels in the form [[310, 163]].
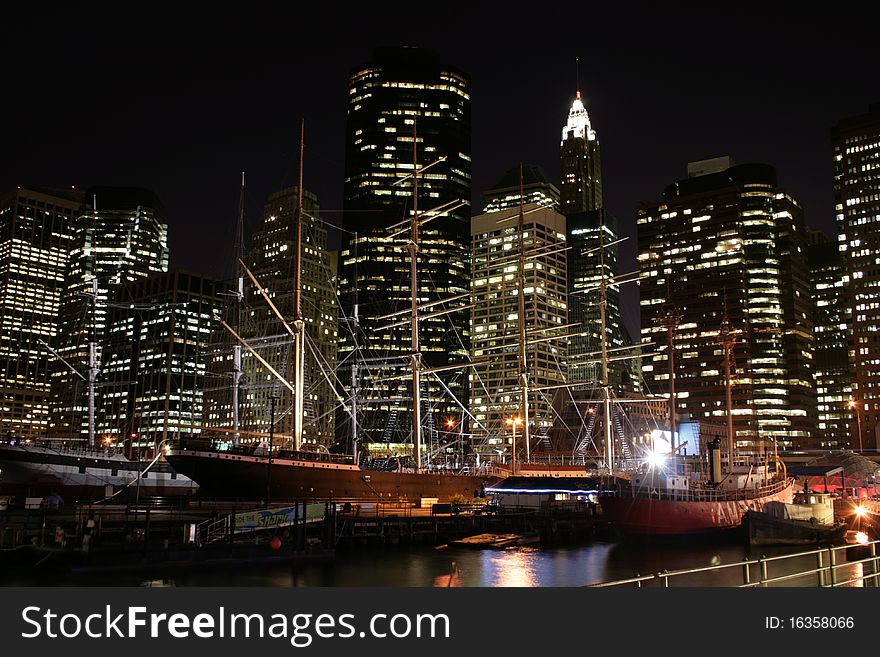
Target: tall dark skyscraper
[[731, 238], [405, 92], [581, 162], [35, 235], [119, 237], [589, 225], [831, 317], [856, 145]]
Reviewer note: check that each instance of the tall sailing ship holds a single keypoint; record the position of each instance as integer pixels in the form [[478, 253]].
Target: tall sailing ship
[[297, 469], [292, 470]]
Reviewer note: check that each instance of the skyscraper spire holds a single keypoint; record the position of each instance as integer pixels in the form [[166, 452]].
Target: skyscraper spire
[[580, 162], [578, 125]]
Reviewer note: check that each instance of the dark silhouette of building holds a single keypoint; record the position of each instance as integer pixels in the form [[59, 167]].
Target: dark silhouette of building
[[831, 317]]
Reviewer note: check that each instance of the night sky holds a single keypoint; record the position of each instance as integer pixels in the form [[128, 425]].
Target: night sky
[[181, 103]]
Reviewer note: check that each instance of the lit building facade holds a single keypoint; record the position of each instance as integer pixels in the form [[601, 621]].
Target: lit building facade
[[402, 92], [119, 237], [35, 236], [536, 190], [495, 337], [831, 317], [271, 260], [581, 164], [856, 151], [154, 358], [731, 239]]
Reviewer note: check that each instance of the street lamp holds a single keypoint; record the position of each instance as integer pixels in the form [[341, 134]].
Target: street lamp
[[459, 443], [513, 422], [854, 405]]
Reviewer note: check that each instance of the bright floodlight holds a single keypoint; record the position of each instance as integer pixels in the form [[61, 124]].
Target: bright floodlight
[[860, 511], [861, 538], [656, 460]]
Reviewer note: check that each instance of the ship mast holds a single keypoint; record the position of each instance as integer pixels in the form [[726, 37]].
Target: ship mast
[[239, 296], [606, 387], [298, 323], [521, 316], [670, 321], [416, 357], [354, 377], [727, 340], [93, 364]]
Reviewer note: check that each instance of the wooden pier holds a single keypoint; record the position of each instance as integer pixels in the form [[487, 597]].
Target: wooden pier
[[208, 533]]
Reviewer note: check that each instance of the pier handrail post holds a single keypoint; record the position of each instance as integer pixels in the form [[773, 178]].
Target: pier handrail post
[[664, 575], [638, 581], [747, 578], [763, 566], [820, 567], [831, 565], [874, 564]]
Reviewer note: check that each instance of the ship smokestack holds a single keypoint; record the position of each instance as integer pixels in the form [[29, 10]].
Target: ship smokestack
[[715, 474]]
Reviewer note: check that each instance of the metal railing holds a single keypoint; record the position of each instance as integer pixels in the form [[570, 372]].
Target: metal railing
[[703, 494], [756, 573]]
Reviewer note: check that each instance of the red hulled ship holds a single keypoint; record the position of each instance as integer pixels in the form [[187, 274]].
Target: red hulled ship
[[675, 497]]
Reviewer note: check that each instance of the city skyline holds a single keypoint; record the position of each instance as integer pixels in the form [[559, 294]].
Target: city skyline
[[210, 105]]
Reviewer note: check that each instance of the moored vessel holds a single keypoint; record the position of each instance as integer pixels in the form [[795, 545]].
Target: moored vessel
[[808, 520], [676, 498], [79, 471], [252, 473]]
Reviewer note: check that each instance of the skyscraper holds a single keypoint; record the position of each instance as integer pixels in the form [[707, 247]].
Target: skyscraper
[[496, 331], [536, 189], [831, 317], [581, 162], [405, 94], [589, 228], [856, 145], [586, 266], [154, 357], [271, 261], [35, 235], [119, 237], [731, 243]]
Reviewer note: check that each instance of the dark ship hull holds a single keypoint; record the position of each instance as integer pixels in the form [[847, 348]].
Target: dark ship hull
[[230, 475], [765, 529]]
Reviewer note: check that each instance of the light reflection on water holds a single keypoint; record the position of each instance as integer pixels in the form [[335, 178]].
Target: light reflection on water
[[400, 566]]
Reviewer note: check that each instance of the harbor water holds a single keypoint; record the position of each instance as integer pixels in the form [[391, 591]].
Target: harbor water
[[427, 566]]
